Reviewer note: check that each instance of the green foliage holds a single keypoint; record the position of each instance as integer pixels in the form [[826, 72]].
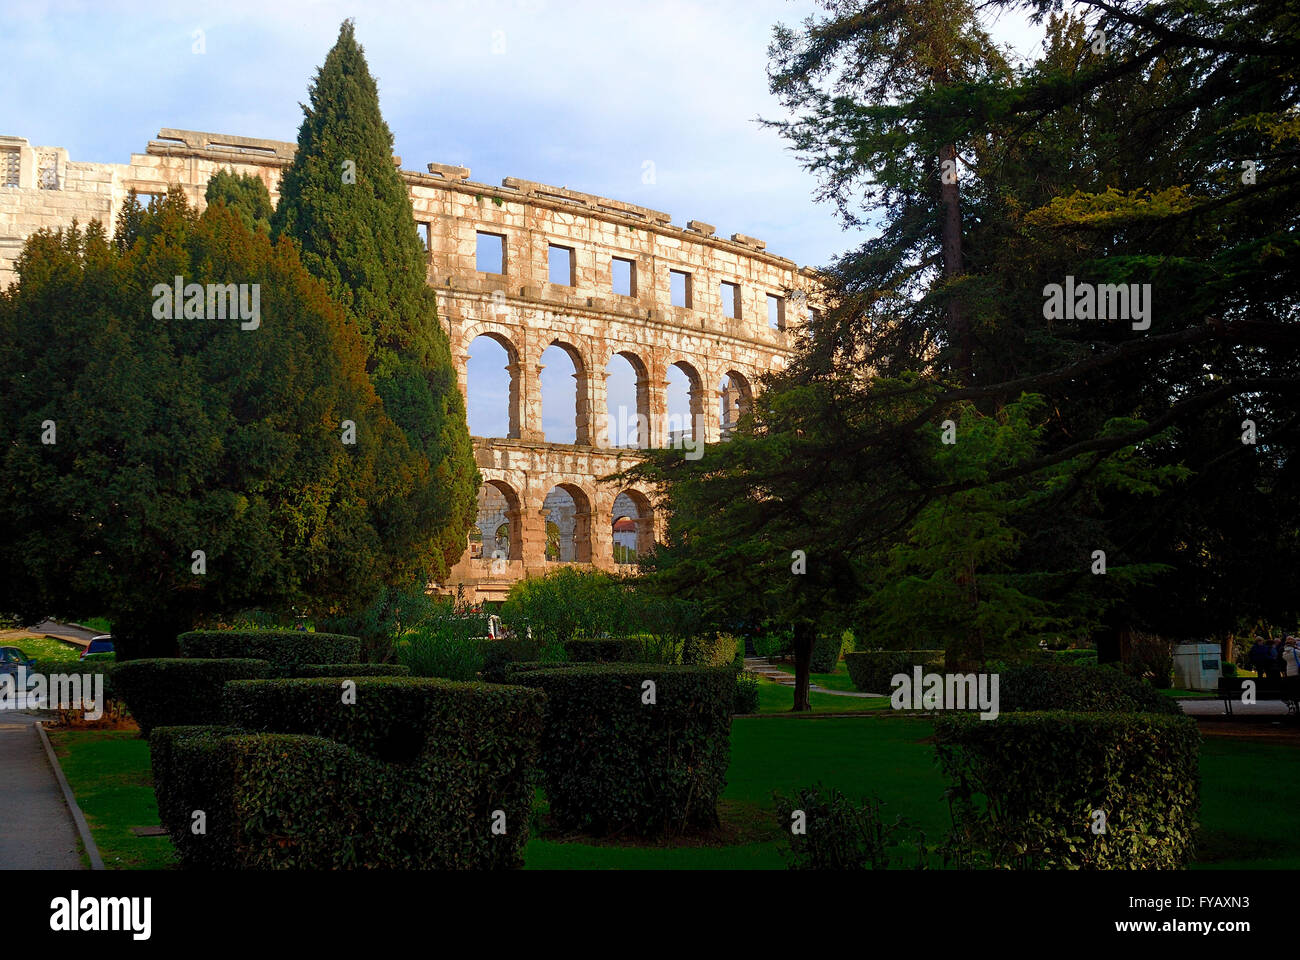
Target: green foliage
[[612, 763], [182, 434], [566, 604], [307, 670], [1025, 788], [406, 778], [346, 205], [1079, 689], [840, 834], [173, 692], [606, 650], [442, 648], [826, 651], [746, 699], [282, 648], [500, 656], [245, 194], [873, 671], [386, 618]]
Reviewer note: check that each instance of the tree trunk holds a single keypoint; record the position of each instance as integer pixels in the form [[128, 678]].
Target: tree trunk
[[958, 321], [804, 634]]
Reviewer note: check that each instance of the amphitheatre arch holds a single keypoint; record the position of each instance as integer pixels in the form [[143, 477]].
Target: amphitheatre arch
[[667, 313]]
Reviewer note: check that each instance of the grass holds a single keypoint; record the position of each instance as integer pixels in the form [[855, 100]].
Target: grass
[[838, 680], [40, 648], [97, 624], [778, 698], [1246, 795], [1176, 694], [110, 774]]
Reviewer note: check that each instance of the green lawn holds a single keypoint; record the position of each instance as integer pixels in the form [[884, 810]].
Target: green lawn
[[839, 680], [778, 698], [1246, 795], [110, 775], [43, 648]]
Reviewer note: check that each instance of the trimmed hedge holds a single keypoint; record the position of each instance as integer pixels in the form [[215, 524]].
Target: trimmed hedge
[[177, 692], [713, 650], [872, 672], [499, 655], [605, 650], [611, 762], [281, 648], [1087, 689], [106, 667], [351, 670], [1040, 777], [410, 776], [746, 700], [826, 652]]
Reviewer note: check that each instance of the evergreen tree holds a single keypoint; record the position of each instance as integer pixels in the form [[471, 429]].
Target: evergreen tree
[[133, 436], [245, 194], [344, 202]]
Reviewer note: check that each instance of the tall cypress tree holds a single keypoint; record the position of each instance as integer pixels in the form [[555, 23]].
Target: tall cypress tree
[[345, 203]]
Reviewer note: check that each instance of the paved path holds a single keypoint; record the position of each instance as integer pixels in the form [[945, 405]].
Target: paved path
[[36, 829], [760, 667], [1207, 707]]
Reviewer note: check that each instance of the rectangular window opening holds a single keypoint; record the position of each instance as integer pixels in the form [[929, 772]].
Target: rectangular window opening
[[560, 265], [775, 312], [679, 282], [490, 252], [623, 276], [730, 299], [424, 227]]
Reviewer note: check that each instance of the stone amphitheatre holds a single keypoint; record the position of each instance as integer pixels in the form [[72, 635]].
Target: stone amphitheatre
[[640, 291]]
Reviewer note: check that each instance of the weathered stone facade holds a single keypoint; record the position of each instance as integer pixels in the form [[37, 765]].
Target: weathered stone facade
[[715, 329]]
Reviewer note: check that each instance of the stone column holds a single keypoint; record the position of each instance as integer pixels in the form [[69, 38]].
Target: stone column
[[528, 375]]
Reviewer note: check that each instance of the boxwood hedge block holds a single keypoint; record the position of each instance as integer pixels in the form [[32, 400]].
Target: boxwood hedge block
[[826, 652], [611, 761], [873, 671], [178, 692], [1046, 686], [1027, 788], [351, 670], [605, 650], [431, 763], [281, 648]]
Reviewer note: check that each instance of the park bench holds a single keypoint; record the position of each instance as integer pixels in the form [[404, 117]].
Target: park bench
[[1287, 690]]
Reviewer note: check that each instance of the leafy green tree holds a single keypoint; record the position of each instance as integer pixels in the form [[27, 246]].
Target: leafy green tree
[[134, 437], [344, 202], [245, 194]]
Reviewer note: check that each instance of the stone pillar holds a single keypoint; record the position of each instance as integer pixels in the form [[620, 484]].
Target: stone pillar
[[598, 387], [584, 428], [645, 535], [656, 407], [532, 530], [529, 378]]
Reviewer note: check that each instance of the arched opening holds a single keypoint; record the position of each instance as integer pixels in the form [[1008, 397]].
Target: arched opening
[[685, 403], [567, 513], [496, 534], [564, 395], [627, 401], [734, 397], [633, 523], [492, 387]]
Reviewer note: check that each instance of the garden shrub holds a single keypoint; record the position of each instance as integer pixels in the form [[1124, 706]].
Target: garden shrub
[[499, 654], [1077, 688], [351, 670], [611, 762], [567, 603], [282, 648], [407, 777], [840, 834], [713, 650], [1025, 788], [774, 643], [442, 648], [179, 692], [826, 651], [605, 650], [746, 694], [873, 671], [114, 708]]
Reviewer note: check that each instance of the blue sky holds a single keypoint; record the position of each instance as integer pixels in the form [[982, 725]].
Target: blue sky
[[569, 92]]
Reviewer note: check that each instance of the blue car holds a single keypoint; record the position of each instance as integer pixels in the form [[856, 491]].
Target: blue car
[[11, 658], [100, 644]]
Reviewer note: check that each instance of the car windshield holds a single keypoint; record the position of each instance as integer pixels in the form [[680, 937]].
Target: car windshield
[[11, 655]]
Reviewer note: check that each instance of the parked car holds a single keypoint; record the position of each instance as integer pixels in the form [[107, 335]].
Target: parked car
[[100, 644], [11, 658]]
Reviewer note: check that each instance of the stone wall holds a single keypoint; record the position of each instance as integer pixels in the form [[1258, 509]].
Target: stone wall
[[516, 304]]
